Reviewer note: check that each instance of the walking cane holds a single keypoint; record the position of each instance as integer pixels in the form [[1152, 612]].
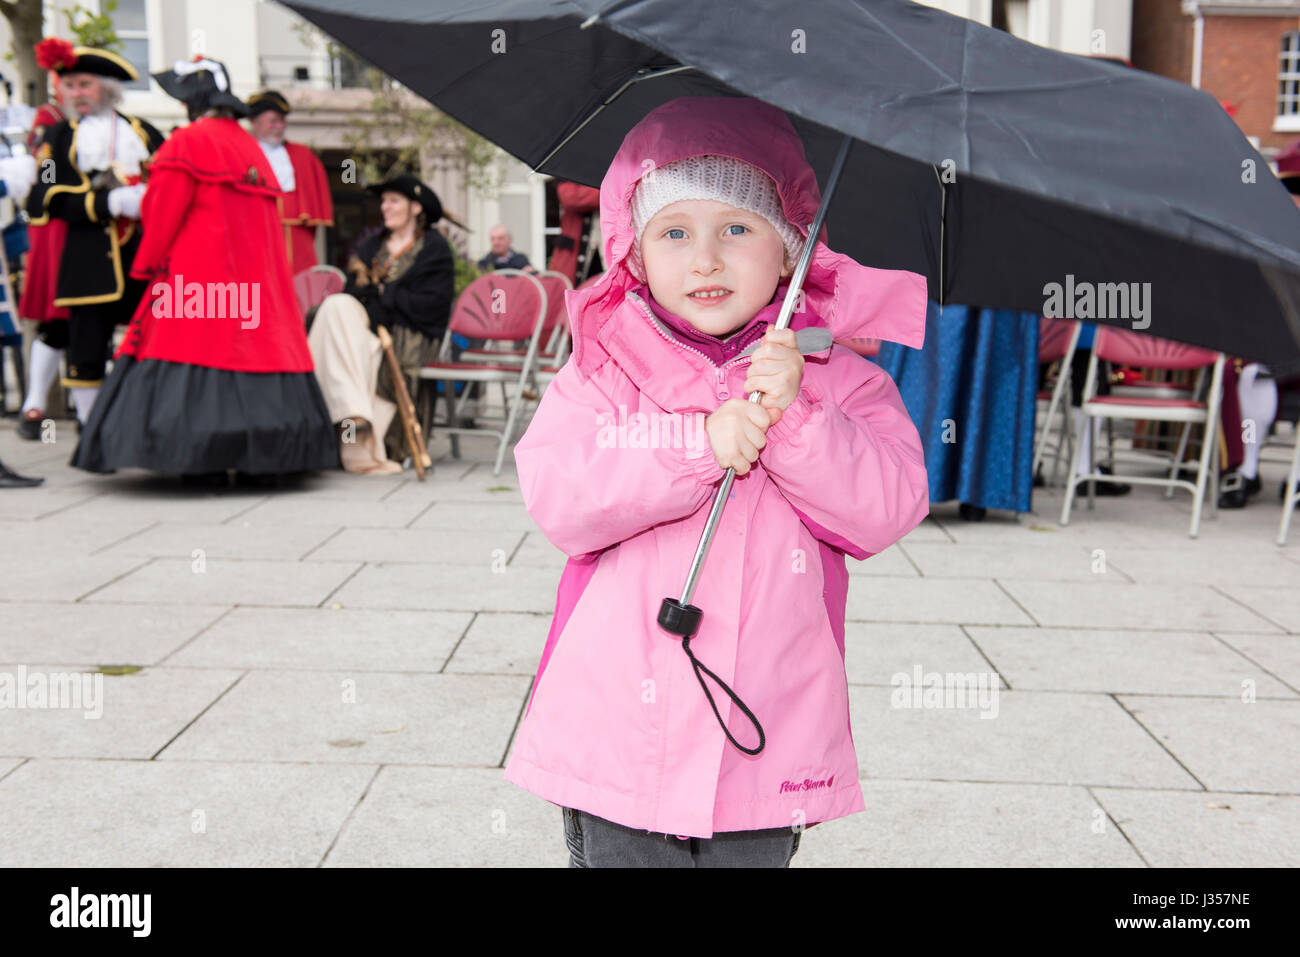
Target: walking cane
[[678, 616], [406, 408]]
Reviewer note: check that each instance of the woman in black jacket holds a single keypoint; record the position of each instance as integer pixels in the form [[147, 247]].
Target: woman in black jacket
[[403, 279]]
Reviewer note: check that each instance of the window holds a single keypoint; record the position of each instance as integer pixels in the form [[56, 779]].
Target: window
[[1288, 96], [132, 30]]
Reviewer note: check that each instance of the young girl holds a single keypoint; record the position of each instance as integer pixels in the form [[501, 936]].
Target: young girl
[[703, 213]]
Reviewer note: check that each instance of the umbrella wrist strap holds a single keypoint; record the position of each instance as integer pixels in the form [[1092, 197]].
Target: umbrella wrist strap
[[700, 667]]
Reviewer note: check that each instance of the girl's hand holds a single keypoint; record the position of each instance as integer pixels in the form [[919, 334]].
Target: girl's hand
[[737, 431], [776, 370]]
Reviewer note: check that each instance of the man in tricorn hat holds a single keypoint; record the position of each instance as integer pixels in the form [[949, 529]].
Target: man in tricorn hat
[[97, 190], [305, 202]]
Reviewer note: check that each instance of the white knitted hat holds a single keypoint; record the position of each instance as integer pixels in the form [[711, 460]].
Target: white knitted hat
[[723, 178]]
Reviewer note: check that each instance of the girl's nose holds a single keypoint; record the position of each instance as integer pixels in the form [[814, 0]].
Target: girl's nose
[[706, 259]]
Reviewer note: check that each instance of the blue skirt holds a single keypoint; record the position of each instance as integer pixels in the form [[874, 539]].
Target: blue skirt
[[970, 390]]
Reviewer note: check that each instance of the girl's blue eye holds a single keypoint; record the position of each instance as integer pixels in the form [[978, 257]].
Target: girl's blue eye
[[670, 232], [737, 226]]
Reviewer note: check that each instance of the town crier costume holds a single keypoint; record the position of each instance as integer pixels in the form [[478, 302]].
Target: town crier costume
[[305, 200], [97, 155], [214, 373]]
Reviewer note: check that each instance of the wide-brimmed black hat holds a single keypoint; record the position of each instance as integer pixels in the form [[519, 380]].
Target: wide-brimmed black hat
[[264, 100], [411, 187], [201, 84], [57, 54]]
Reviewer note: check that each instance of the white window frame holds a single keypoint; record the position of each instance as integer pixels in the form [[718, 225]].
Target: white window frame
[[1286, 117], [151, 30]]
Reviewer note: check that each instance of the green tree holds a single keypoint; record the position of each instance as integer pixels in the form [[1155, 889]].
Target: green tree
[[91, 29], [25, 25]]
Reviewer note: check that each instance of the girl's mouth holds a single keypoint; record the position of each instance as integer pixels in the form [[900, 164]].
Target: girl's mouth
[[709, 298]]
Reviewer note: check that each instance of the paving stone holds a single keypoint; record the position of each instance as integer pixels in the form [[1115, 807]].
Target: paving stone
[[1229, 744], [358, 717], [137, 713], [175, 814], [327, 639]]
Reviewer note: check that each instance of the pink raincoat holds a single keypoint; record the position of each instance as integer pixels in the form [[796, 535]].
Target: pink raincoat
[[617, 724]]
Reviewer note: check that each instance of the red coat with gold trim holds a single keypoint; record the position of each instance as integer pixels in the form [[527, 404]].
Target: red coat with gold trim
[[308, 206]]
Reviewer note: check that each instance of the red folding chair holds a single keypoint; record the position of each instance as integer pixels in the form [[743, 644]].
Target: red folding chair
[[555, 329], [314, 284], [1148, 352], [503, 306]]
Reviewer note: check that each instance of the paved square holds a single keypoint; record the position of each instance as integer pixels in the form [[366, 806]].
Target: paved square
[[333, 673]]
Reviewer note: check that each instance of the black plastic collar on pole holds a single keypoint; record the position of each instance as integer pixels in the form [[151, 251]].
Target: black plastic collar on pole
[[684, 621], [678, 619]]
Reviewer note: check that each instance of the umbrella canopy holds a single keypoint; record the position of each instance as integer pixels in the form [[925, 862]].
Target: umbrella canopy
[[1008, 174]]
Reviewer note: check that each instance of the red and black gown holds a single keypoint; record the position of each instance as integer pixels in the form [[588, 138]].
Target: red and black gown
[[214, 372]]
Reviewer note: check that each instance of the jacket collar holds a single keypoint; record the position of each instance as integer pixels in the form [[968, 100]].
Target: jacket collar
[[676, 376]]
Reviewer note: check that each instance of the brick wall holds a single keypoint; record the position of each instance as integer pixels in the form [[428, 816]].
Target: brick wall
[[1240, 66], [1239, 60], [1162, 39]]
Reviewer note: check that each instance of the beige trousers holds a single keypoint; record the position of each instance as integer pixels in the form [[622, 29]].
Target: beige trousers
[[347, 356]]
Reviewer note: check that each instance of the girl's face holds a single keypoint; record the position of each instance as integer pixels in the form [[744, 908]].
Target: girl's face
[[699, 245]]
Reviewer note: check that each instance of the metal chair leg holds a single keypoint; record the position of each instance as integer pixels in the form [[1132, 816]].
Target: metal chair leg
[[1292, 494]]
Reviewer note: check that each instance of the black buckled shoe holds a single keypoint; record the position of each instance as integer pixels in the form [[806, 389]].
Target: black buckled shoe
[[29, 424], [1235, 490]]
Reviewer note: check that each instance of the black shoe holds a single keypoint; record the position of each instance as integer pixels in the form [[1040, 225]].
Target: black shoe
[[206, 480], [972, 513], [1235, 490], [9, 479], [1108, 488], [30, 428], [1039, 481]]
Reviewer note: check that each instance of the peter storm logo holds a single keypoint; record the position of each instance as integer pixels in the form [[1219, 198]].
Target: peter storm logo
[[807, 784]]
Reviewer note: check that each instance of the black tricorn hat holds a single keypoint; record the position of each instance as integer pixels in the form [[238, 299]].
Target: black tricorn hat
[[100, 63], [411, 187], [264, 100], [201, 84]]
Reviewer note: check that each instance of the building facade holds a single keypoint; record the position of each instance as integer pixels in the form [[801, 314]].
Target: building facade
[[1088, 27], [264, 44], [1244, 53]]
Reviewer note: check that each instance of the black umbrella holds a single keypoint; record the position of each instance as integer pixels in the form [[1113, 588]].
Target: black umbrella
[[1009, 174]]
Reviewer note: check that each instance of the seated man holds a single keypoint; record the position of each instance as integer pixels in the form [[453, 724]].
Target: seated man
[[404, 280], [501, 255]]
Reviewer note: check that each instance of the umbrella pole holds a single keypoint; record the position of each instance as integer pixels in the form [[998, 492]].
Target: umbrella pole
[[678, 616]]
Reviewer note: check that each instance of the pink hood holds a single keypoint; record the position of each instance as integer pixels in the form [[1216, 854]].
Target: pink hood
[[853, 300]]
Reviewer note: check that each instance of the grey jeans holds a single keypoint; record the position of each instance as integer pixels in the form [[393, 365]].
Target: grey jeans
[[596, 842]]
